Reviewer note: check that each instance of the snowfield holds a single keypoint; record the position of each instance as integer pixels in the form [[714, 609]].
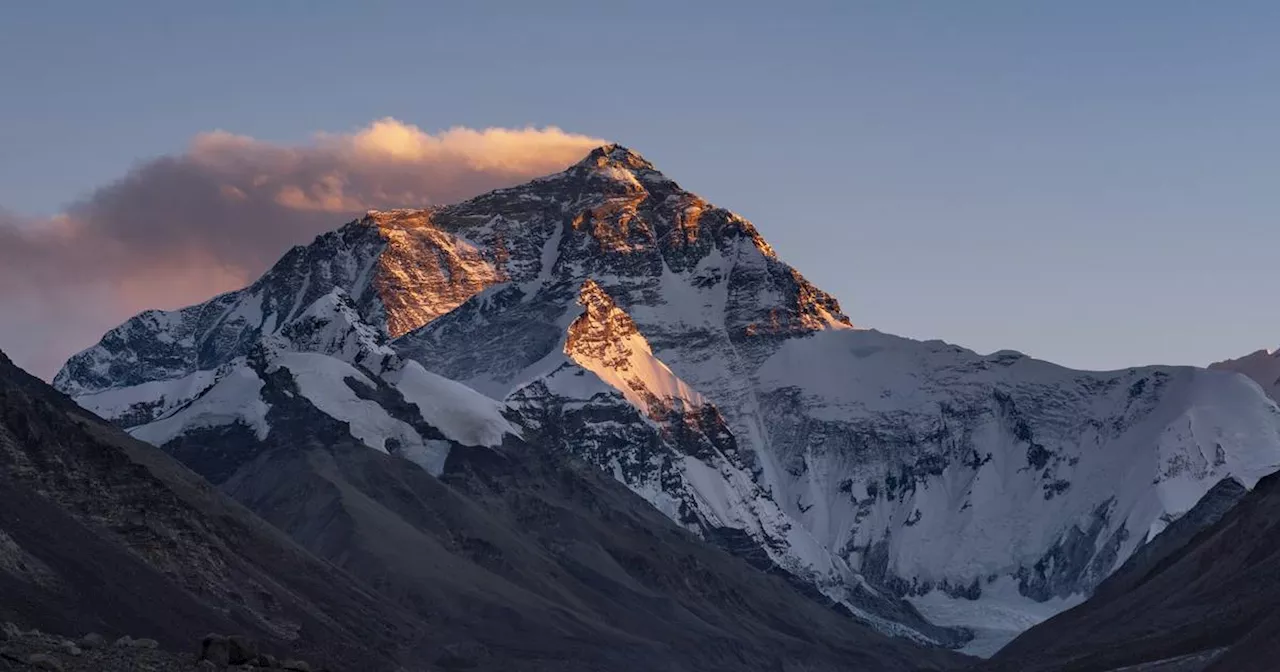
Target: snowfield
[[462, 414]]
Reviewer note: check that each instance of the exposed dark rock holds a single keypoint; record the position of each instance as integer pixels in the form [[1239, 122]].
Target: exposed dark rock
[[29, 651], [461, 656], [241, 650], [215, 649], [44, 661]]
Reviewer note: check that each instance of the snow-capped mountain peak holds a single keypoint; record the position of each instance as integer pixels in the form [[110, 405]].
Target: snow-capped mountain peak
[[616, 156], [607, 312]]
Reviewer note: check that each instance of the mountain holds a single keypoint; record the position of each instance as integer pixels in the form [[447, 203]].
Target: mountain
[[1204, 601], [517, 556], [101, 532], [607, 315], [514, 558], [1263, 366]]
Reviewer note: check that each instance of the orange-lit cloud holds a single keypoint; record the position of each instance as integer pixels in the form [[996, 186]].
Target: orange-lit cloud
[[179, 229]]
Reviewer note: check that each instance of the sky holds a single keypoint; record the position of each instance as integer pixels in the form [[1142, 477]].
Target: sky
[[1092, 183]]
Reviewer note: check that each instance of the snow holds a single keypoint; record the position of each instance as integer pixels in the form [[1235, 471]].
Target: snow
[[639, 375], [723, 494], [571, 382], [618, 174], [603, 339], [459, 412], [235, 399], [297, 297], [546, 263], [341, 333], [247, 312], [1110, 446], [170, 394], [322, 380], [685, 304], [996, 618], [712, 491]]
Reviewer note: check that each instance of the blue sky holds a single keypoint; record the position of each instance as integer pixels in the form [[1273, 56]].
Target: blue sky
[[1093, 183]]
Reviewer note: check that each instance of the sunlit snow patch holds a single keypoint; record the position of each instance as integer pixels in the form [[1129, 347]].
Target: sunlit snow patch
[[459, 412]]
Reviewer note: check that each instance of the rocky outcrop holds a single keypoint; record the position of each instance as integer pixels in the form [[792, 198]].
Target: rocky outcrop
[[36, 650]]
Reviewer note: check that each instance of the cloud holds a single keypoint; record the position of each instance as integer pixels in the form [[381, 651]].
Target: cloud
[[179, 229]]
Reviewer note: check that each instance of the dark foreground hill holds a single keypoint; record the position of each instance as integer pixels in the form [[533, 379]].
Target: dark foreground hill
[[100, 532]]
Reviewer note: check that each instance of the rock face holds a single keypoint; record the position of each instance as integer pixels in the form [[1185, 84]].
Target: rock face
[[612, 316], [1204, 597]]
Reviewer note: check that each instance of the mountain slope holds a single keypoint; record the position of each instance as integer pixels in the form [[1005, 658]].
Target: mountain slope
[[512, 555], [1209, 601], [537, 562], [104, 533], [1263, 366], [632, 324], [950, 475], [548, 545]]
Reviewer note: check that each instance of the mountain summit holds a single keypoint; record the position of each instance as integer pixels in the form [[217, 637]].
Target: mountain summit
[[606, 314], [615, 156]]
